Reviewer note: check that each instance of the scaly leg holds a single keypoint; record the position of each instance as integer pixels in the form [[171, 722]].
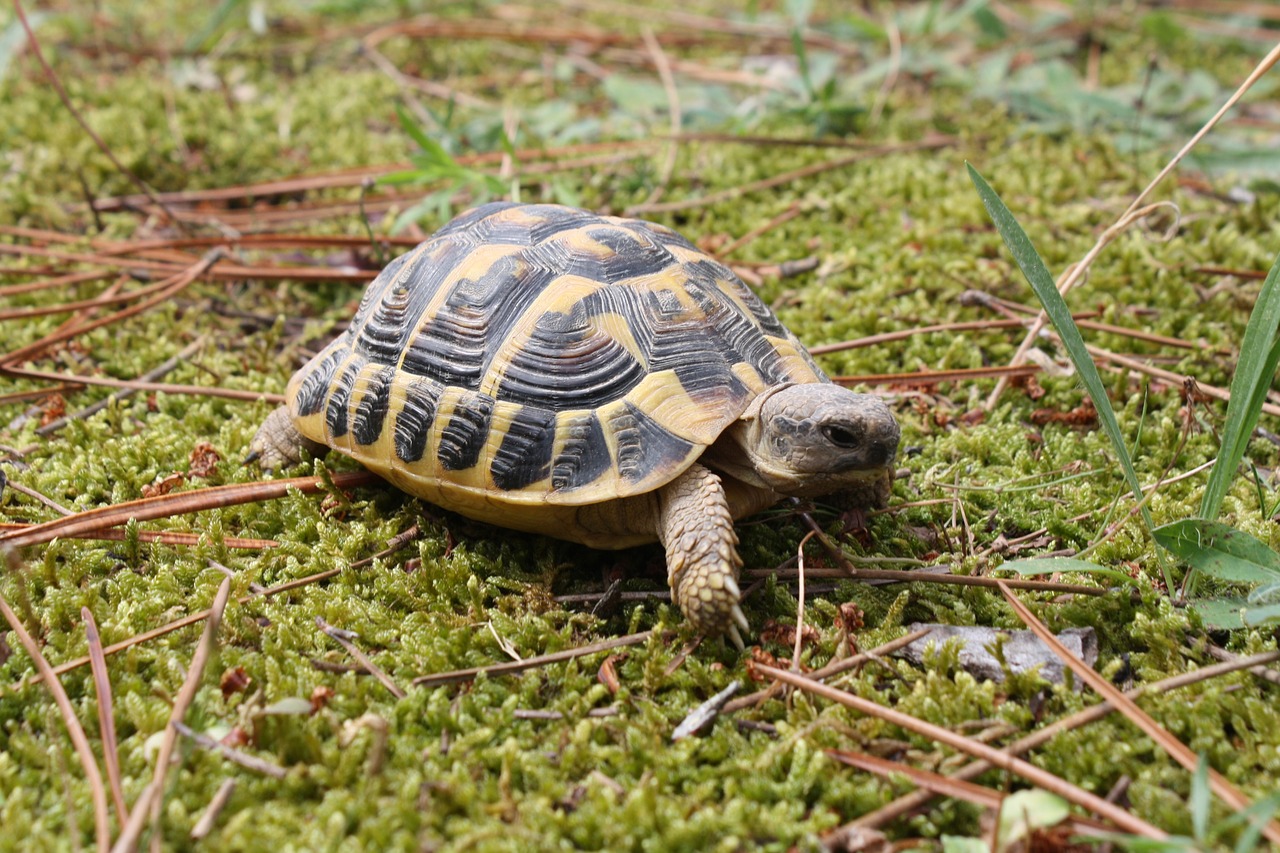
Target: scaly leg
[[696, 528]]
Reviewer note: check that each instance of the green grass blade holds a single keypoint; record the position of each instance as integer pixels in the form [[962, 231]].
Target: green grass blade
[[1199, 801], [1032, 566], [432, 152], [1255, 369], [1037, 274]]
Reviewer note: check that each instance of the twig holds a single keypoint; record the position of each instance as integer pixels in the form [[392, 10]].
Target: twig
[[1033, 774], [933, 377], [106, 716], [153, 537], [149, 376], [663, 65], [172, 286], [223, 272], [210, 815], [178, 624], [1133, 213], [42, 498], [37, 393], [186, 695], [914, 800], [235, 756], [395, 543], [112, 297], [930, 144], [833, 668], [895, 67], [146, 509], [705, 714], [127, 840], [936, 783], [684, 22], [75, 113], [352, 177], [49, 283], [1258, 669], [795, 653], [432, 88], [457, 675], [341, 638], [140, 385], [1175, 379], [1176, 749], [1081, 318], [919, 576], [93, 776], [787, 215]]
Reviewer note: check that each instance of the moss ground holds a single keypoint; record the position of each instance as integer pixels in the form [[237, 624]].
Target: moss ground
[[899, 239]]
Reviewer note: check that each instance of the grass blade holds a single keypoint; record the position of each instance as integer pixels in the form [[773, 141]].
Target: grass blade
[[1255, 369], [1032, 566], [1041, 281], [1200, 800]]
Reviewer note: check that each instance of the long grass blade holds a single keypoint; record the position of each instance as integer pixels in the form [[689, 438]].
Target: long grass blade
[[1256, 367], [1038, 276]]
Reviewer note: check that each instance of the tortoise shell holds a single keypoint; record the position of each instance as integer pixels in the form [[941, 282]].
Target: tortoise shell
[[538, 354]]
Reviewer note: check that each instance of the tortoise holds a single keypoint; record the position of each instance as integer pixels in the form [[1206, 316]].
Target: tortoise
[[592, 378]]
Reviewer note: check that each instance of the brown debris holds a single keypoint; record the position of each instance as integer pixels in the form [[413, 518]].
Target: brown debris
[[236, 738], [851, 617], [320, 698], [1083, 416], [164, 485], [1029, 384], [204, 459], [785, 635], [234, 680], [52, 408], [608, 673]]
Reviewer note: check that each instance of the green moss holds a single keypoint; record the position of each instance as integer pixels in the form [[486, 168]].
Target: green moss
[[899, 239]]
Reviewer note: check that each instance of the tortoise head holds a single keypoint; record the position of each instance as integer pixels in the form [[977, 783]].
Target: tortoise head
[[818, 439]]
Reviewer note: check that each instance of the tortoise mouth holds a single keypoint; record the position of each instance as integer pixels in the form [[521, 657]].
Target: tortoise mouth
[[834, 483]]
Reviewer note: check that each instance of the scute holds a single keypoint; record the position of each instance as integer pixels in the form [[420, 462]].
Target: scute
[[603, 368], [533, 354], [464, 434]]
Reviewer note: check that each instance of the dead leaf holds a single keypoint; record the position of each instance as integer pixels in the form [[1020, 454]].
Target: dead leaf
[[53, 408], [234, 680], [320, 698], [785, 635], [163, 486], [204, 458], [608, 673], [1083, 416]]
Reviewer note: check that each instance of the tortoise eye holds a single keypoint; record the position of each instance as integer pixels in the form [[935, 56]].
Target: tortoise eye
[[841, 437]]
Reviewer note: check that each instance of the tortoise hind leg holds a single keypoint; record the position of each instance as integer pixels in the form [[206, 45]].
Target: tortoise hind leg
[[278, 444], [696, 528]]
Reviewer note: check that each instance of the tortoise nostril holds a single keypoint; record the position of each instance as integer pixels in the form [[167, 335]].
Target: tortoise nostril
[[879, 454]]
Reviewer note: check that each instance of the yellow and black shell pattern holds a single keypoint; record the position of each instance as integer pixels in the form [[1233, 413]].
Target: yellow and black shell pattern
[[533, 354]]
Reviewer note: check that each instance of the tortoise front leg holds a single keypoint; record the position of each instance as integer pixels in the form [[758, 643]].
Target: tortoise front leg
[[696, 528]]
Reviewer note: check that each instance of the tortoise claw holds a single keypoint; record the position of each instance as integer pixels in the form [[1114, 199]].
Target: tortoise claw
[[736, 638]]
